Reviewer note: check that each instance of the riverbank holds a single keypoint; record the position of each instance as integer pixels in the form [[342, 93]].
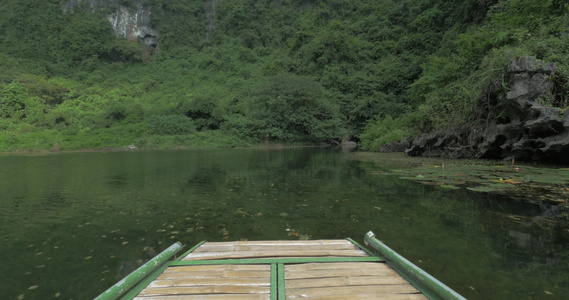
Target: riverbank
[[115, 139], [51, 141]]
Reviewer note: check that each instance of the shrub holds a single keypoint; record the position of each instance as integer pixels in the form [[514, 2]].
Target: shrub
[[386, 130], [170, 124]]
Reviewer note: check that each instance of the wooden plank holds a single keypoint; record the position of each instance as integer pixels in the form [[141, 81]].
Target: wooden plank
[[280, 242], [343, 281], [347, 272], [340, 269], [191, 250], [261, 254], [365, 296], [190, 282], [288, 247], [200, 290], [206, 268], [276, 260], [350, 290], [337, 266], [215, 274], [208, 297]]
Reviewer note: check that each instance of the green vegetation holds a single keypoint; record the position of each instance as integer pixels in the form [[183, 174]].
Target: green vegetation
[[295, 71], [525, 182]]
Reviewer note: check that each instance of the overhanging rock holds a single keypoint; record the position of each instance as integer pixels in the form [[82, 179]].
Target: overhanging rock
[[130, 22], [519, 121]]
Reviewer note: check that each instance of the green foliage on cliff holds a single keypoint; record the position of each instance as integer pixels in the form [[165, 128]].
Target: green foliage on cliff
[[290, 70]]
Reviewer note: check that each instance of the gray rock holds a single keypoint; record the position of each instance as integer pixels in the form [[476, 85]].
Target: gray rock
[[399, 146], [526, 64], [522, 64], [566, 121], [543, 121], [132, 23], [348, 145], [519, 126], [520, 86]]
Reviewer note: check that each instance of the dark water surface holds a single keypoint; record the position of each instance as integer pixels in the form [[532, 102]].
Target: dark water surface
[[73, 224]]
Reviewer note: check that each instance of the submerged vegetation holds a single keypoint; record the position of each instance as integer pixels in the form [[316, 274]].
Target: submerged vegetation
[[541, 184], [295, 71]]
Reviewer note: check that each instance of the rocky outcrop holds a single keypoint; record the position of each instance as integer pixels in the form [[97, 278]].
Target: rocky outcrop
[[520, 122], [130, 22], [348, 145], [398, 146]]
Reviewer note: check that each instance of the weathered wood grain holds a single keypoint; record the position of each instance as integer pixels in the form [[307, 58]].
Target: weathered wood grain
[[327, 280], [275, 253], [379, 290], [209, 297], [344, 281], [199, 290]]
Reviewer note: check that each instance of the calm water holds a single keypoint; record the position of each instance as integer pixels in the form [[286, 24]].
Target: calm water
[[73, 224]]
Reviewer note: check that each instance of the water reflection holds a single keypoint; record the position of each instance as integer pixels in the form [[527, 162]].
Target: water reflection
[[73, 224]]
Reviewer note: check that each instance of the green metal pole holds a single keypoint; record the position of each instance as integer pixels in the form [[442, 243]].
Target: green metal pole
[[137, 275], [403, 265]]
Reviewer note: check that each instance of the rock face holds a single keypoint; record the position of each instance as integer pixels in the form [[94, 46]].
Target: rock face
[[399, 146], [132, 22], [513, 123]]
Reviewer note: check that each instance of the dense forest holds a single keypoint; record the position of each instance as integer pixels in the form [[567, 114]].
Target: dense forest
[[235, 73]]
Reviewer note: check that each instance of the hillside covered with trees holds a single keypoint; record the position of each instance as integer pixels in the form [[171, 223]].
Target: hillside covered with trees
[[233, 73]]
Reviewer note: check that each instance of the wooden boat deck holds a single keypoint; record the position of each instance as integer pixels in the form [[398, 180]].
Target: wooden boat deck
[[319, 269]]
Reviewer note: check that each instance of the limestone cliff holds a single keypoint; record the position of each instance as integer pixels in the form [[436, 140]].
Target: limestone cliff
[[523, 119], [131, 22]]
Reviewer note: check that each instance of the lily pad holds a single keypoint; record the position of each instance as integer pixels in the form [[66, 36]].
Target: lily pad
[[517, 181], [486, 189], [500, 185], [449, 187]]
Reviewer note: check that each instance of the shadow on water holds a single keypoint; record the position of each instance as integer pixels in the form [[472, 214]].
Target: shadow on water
[[73, 224]]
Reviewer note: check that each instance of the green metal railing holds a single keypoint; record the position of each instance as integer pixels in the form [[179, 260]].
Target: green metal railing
[[137, 275], [430, 286]]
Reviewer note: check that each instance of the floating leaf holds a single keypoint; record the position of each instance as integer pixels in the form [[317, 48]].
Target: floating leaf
[[500, 185], [483, 189], [511, 181], [430, 183], [449, 187]]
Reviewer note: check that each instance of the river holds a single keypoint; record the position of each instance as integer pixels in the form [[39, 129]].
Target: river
[[72, 224]]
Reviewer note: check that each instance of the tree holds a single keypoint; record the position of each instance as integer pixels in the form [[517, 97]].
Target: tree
[[293, 108]]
